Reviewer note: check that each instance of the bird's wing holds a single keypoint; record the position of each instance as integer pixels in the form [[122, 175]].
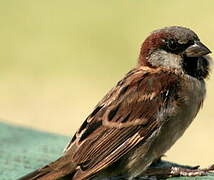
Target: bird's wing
[[126, 116]]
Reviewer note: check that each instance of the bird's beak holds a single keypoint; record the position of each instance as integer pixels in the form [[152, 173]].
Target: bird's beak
[[196, 50]]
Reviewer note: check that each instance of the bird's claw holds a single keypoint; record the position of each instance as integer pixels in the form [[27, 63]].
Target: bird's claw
[[176, 171]]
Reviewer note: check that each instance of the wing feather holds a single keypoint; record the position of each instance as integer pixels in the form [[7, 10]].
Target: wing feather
[[125, 117]]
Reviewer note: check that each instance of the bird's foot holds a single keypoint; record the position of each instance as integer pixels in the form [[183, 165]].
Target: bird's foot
[[174, 171]]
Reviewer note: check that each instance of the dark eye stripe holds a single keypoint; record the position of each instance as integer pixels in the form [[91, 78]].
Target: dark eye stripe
[[174, 47]]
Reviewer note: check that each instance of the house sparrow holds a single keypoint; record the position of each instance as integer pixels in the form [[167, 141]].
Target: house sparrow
[[143, 115]]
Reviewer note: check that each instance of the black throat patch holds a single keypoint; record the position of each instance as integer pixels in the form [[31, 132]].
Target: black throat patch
[[197, 67]]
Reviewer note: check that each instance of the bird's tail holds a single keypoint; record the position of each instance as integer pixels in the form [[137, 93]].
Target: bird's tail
[[55, 170]]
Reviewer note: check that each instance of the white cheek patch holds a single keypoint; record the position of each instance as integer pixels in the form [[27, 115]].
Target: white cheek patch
[[161, 58]]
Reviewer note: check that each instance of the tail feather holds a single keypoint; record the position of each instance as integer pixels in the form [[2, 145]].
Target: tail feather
[[33, 175], [55, 170]]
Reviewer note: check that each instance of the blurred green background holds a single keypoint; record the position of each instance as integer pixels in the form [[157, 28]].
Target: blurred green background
[[59, 57]]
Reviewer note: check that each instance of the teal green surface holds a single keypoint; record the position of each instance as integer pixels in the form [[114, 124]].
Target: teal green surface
[[23, 150]]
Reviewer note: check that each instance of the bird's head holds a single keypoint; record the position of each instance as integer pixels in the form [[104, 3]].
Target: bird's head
[[177, 48]]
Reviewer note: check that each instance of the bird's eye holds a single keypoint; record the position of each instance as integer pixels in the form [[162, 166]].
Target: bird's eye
[[172, 44]]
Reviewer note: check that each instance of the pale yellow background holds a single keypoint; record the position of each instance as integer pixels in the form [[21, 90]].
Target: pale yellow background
[[59, 57]]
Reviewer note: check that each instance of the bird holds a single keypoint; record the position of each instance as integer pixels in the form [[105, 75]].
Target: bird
[[140, 118]]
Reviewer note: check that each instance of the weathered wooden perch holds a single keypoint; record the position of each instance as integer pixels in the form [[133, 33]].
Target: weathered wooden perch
[[23, 150]]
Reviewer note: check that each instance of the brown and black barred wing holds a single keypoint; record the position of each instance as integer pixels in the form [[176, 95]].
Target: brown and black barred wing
[[125, 117]]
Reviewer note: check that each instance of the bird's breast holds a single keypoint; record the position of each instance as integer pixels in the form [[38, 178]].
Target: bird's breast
[[184, 110]]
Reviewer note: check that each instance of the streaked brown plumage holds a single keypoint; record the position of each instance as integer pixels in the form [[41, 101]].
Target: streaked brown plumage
[[143, 115]]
